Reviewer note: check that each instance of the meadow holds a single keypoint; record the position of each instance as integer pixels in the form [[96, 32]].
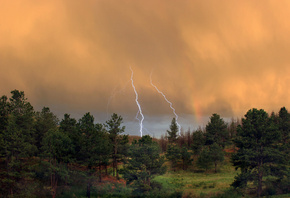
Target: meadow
[[192, 183]]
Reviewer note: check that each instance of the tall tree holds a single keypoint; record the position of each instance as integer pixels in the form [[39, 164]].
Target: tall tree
[[204, 160], [94, 146], [23, 114], [145, 162], [45, 120], [173, 154], [216, 154], [185, 156], [257, 154], [4, 112], [198, 141], [216, 131], [56, 148], [172, 133], [284, 125], [114, 129], [17, 136], [69, 126]]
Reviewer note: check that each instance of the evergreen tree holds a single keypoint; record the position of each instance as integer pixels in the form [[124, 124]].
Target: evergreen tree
[[45, 120], [145, 162], [284, 126], [114, 129], [198, 141], [69, 126], [17, 140], [94, 146], [216, 154], [4, 112], [172, 133], [258, 155], [185, 156], [204, 160], [216, 131], [56, 148], [173, 154]]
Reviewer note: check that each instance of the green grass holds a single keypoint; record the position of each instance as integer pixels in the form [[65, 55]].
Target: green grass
[[199, 184]]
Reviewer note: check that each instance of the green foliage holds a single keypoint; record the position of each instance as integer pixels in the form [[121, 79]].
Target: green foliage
[[217, 154], [172, 133], [198, 142], [258, 153], [185, 156], [45, 120], [56, 148], [68, 126], [216, 131], [17, 140], [173, 154], [204, 160], [144, 164], [114, 129], [94, 146]]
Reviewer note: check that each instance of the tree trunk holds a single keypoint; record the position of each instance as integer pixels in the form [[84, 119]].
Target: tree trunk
[[89, 183], [54, 188], [260, 177], [117, 173], [100, 171], [89, 189]]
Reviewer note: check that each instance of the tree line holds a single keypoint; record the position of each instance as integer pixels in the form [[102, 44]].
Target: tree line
[[42, 155]]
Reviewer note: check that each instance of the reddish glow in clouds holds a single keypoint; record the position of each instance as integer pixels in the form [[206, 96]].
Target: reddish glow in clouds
[[210, 56]]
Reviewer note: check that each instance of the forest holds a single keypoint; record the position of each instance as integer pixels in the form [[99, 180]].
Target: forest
[[42, 156]]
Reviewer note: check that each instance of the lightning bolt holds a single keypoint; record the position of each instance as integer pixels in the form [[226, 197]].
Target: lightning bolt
[[148, 132], [176, 116], [139, 107]]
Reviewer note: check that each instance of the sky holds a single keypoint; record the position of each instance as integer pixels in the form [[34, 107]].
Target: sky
[[207, 57]]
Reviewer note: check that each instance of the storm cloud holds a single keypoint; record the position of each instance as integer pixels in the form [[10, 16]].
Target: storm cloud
[[208, 57]]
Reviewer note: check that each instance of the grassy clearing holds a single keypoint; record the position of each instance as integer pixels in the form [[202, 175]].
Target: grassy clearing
[[199, 184]]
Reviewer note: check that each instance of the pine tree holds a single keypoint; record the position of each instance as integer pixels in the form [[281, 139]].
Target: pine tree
[[258, 155], [56, 148], [68, 126], [217, 155], [198, 141], [114, 129], [145, 162], [45, 120], [185, 156], [172, 133], [94, 147], [216, 131], [173, 154], [204, 160], [17, 140]]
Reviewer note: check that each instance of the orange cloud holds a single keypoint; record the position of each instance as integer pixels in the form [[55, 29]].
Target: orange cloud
[[208, 57]]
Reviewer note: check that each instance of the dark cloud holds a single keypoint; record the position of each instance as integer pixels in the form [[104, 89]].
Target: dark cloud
[[206, 56]]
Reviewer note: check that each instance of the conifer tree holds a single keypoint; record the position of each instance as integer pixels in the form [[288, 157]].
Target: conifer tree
[[198, 141], [144, 163], [18, 140], [45, 120], [114, 129], [56, 148], [258, 155], [216, 131], [172, 133]]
